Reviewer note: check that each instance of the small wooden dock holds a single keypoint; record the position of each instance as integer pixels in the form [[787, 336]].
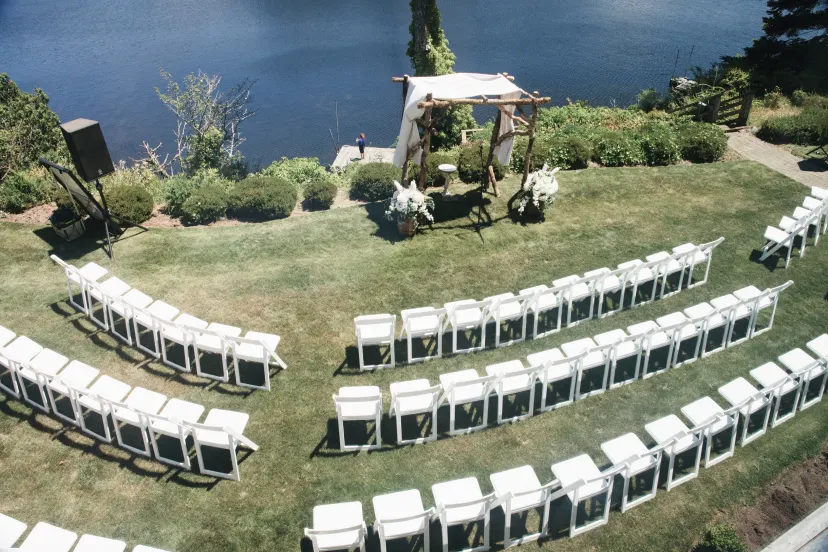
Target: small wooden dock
[[350, 154]]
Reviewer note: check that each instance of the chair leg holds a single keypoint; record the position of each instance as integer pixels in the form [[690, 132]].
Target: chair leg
[[361, 359], [341, 433]]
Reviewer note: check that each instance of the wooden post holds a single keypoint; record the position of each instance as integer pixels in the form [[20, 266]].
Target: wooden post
[[428, 123], [404, 92], [527, 161], [488, 170], [744, 112], [712, 113]]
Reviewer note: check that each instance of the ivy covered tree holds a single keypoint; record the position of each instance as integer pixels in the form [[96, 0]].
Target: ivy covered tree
[[430, 56], [28, 128], [793, 54]]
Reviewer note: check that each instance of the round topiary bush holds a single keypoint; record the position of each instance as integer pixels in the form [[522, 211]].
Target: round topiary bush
[[618, 149], [262, 198], [567, 152], [205, 205], [320, 193], [473, 157], [702, 142], [374, 181], [661, 145], [130, 202]]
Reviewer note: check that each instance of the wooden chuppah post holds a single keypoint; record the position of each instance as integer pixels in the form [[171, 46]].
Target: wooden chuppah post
[[428, 128], [488, 169], [528, 159]]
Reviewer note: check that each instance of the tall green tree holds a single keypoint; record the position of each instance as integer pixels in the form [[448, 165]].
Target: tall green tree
[[793, 54], [28, 128], [430, 56]]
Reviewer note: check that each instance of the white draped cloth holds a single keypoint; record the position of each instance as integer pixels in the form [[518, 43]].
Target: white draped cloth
[[453, 87]]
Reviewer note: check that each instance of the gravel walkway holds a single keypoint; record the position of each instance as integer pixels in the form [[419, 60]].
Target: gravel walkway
[[806, 171]]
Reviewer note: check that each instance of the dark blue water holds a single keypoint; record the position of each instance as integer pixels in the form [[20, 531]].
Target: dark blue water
[[100, 59]]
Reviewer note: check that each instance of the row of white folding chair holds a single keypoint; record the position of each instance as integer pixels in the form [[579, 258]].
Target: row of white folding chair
[[573, 361], [90, 394], [45, 536], [594, 286], [166, 323], [812, 214]]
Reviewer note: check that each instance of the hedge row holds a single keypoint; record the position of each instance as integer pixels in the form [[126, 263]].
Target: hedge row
[[810, 127]]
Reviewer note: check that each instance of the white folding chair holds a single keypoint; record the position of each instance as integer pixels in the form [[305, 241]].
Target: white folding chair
[[13, 356], [607, 283], [677, 439], [706, 412], [401, 515], [10, 531], [463, 316], [375, 330], [505, 308], [132, 412], [819, 346], [124, 306], [588, 484], [628, 451], [710, 319], [94, 400], [213, 340], [90, 272], [6, 336], [361, 403], [412, 398], [422, 323], [222, 430], [461, 502], [690, 256], [103, 293], [48, 537], [92, 543], [512, 377], [810, 372], [772, 378], [76, 375], [543, 299], [39, 371], [623, 347], [170, 423], [337, 527], [652, 339], [151, 319], [735, 311], [776, 239], [466, 387], [752, 401], [667, 266], [260, 347], [557, 368], [597, 358], [574, 290], [803, 220], [681, 330], [520, 490], [757, 301], [820, 209], [639, 274], [181, 331]]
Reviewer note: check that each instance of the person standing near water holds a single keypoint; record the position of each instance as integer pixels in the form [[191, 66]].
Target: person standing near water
[[361, 143]]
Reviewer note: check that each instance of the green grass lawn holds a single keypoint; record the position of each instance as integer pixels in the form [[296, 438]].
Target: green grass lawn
[[306, 278]]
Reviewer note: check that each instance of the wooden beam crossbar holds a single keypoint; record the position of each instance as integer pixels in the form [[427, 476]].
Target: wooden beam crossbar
[[439, 104], [505, 136]]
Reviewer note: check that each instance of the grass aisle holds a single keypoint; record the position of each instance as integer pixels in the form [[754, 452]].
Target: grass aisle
[[306, 278]]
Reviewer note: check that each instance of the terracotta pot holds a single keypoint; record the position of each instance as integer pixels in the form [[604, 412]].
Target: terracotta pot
[[407, 227]]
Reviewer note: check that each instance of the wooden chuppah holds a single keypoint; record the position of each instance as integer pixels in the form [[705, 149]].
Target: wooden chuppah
[[427, 123]]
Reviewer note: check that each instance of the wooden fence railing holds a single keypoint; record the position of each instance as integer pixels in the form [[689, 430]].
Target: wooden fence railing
[[733, 110]]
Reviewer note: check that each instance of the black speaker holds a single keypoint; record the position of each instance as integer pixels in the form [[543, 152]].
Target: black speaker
[[88, 148]]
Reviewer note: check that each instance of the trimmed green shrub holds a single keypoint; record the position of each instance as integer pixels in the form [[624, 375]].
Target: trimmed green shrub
[[21, 190], [721, 538], [434, 177], [702, 142], [177, 190], [800, 98], [130, 202], [471, 161], [618, 149], [320, 194], [298, 170], [205, 205], [807, 128], [374, 181], [567, 152], [262, 198], [660, 143]]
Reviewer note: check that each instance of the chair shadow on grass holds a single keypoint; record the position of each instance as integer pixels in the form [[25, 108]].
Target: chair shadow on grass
[[139, 359]]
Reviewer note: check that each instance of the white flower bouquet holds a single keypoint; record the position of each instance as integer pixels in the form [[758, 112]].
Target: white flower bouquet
[[540, 189], [410, 205]]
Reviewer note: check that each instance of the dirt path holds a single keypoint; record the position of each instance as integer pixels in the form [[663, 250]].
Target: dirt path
[[808, 172]]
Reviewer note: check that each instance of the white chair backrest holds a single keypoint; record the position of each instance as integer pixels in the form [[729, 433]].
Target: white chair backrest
[[233, 436]]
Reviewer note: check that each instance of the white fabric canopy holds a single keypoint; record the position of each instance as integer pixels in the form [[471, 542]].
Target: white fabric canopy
[[453, 87]]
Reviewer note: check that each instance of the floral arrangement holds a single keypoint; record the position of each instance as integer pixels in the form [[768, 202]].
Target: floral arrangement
[[409, 204], [541, 188]]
